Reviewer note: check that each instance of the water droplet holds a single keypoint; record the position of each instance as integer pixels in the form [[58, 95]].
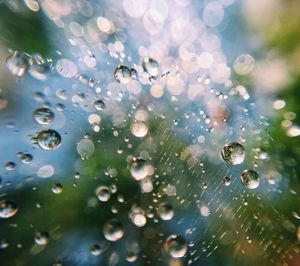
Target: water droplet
[[99, 105], [233, 153], [57, 263], [38, 67], [150, 66], [10, 166], [95, 249], [18, 63], [139, 169], [226, 181], [123, 74], [131, 256], [41, 238], [139, 129], [165, 211], [43, 116], [176, 246], [57, 188], [7, 208], [152, 79], [26, 158], [133, 73], [4, 244], [113, 230], [103, 193], [48, 139], [245, 202], [250, 179]]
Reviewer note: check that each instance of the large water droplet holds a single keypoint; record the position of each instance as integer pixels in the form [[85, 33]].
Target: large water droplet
[[233, 153], [43, 116], [150, 66], [123, 74], [113, 230], [250, 179], [7, 208], [48, 139], [176, 246]]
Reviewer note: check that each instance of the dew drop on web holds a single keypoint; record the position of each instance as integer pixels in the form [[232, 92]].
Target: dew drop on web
[[250, 179], [113, 230], [175, 246], [233, 153], [48, 139], [8, 209]]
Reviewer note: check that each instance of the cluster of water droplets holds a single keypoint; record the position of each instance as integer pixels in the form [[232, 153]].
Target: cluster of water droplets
[[157, 127], [234, 153]]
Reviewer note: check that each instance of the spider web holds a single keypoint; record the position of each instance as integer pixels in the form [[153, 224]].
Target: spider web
[[199, 112]]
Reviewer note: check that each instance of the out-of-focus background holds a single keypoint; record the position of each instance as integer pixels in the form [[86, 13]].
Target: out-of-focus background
[[156, 132]]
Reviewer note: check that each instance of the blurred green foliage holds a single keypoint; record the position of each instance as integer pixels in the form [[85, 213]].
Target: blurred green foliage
[[24, 30]]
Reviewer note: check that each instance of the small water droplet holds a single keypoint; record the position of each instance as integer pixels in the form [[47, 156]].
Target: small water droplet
[[4, 244], [165, 211], [133, 73], [38, 67], [26, 158], [95, 249], [175, 246], [10, 166], [57, 188], [139, 169], [41, 238], [43, 116], [150, 66], [99, 105], [226, 181], [123, 74], [103, 193], [131, 256], [250, 179], [8, 208], [113, 230], [152, 79]]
